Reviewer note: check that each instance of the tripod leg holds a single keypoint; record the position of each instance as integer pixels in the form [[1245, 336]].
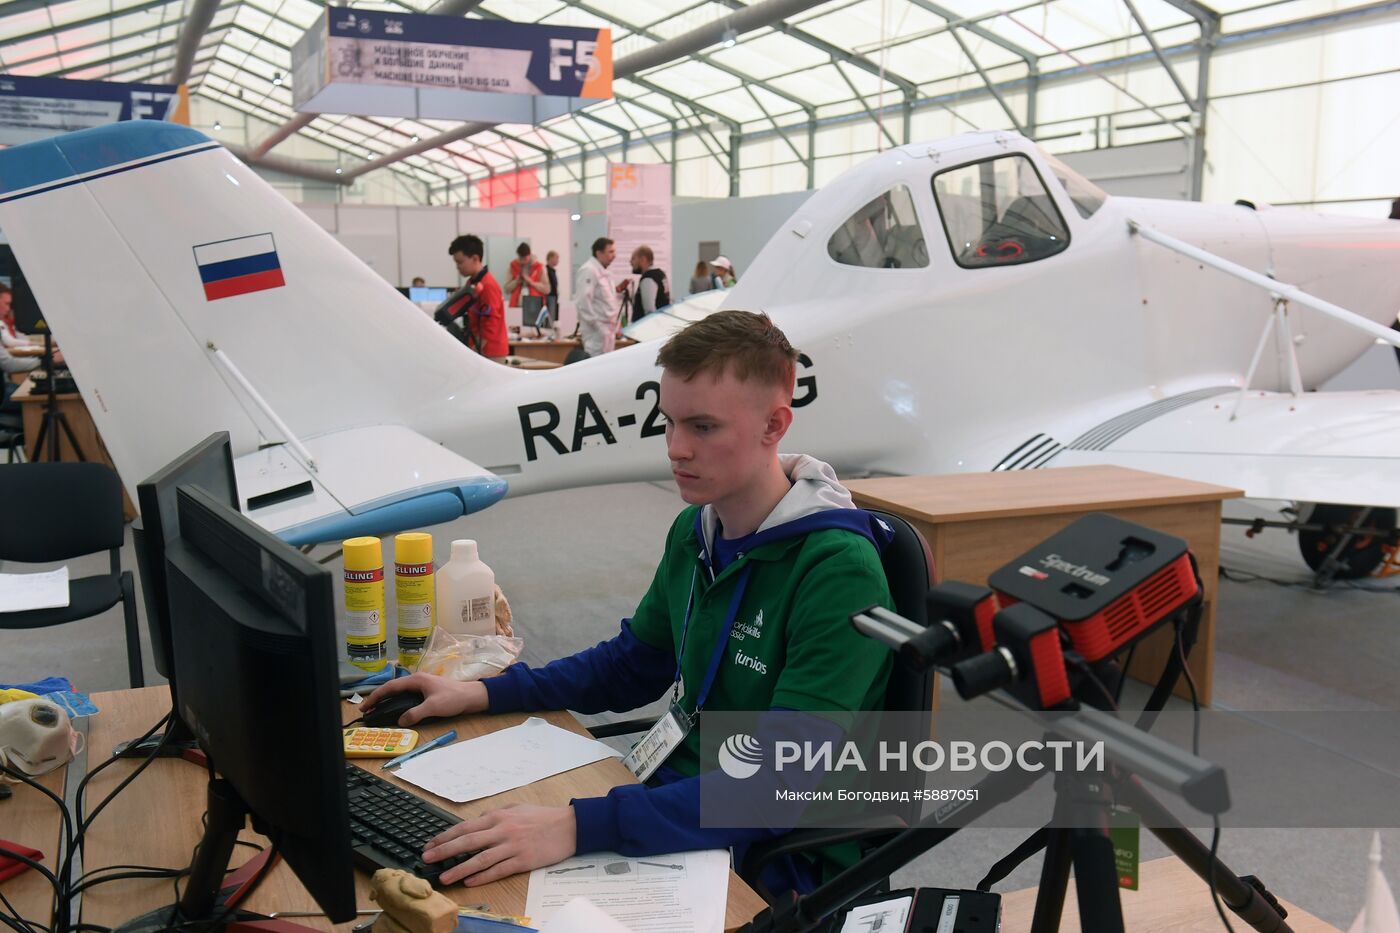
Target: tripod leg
[[1251, 902], [72, 439], [1054, 881], [39, 442], [1096, 881]]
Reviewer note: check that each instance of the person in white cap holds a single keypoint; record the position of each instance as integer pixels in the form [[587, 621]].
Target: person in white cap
[[723, 272]]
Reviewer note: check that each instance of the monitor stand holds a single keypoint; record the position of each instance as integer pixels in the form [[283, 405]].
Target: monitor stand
[[212, 894], [181, 740]]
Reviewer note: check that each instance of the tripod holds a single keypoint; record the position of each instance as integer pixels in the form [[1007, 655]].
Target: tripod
[[1080, 803], [53, 418]]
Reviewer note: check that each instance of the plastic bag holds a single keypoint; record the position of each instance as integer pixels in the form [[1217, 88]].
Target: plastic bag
[[469, 657]]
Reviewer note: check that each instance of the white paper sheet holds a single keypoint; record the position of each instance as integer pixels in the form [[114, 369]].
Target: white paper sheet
[[580, 916], [21, 592], [495, 763], [684, 892], [883, 917]]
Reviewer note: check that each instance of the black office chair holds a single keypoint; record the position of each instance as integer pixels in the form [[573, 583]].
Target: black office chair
[[909, 571], [12, 437], [59, 511]]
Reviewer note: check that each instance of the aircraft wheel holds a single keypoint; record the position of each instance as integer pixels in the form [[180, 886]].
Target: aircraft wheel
[[1363, 554]]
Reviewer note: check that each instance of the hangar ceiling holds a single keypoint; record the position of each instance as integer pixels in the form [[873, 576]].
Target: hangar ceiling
[[717, 70]]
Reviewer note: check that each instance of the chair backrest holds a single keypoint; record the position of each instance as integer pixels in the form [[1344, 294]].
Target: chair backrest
[[58, 511], [909, 570]]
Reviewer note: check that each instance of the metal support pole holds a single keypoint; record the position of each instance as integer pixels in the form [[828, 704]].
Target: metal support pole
[[736, 140], [1032, 96], [811, 150], [1210, 32]]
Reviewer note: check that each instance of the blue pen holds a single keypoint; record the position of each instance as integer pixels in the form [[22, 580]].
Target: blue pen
[[449, 736]]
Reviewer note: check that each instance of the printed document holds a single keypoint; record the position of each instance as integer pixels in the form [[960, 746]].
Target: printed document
[[21, 592], [501, 761], [680, 893]]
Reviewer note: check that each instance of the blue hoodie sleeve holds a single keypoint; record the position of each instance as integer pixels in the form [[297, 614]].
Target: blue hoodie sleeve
[[616, 675], [636, 819]]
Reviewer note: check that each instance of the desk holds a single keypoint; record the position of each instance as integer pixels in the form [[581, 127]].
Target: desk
[[33, 820], [977, 522], [548, 351], [553, 351], [155, 821], [71, 404], [1170, 899]]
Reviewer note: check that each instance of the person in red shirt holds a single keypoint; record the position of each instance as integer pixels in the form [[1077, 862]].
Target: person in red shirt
[[526, 276], [484, 306]]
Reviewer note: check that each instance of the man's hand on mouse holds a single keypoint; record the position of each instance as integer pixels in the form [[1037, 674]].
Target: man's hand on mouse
[[507, 841], [441, 697]]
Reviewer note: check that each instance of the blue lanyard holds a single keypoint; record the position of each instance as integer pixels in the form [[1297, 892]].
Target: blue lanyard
[[720, 644]]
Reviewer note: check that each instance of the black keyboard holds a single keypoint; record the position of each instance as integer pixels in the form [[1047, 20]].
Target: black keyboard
[[389, 826]]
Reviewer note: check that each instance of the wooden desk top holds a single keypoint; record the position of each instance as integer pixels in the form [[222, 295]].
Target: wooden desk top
[[32, 819], [1169, 898], [961, 497], [156, 820], [26, 394]]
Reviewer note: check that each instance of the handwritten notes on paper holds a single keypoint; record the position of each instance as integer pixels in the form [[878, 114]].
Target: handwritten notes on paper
[[501, 761]]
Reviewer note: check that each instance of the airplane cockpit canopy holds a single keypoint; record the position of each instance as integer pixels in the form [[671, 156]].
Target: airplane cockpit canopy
[[883, 234], [1086, 196], [998, 212]]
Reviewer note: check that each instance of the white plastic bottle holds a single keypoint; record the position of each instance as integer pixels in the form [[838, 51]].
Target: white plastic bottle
[[466, 592]]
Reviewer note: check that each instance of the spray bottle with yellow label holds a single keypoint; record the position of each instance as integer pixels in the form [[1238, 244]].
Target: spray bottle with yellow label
[[364, 603], [413, 589]]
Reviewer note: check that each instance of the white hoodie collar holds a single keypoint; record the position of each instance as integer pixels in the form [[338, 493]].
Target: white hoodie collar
[[815, 488]]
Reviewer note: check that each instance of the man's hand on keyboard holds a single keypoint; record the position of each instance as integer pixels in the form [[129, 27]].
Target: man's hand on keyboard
[[442, 698], [506, 841]]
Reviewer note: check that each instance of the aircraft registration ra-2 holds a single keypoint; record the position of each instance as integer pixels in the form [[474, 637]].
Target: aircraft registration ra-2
[[966, 305]]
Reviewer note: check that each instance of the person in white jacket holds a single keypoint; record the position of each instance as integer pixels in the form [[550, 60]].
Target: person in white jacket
[[595, 297]]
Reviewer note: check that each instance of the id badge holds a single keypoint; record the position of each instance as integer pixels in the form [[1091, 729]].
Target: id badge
[[658, 744]]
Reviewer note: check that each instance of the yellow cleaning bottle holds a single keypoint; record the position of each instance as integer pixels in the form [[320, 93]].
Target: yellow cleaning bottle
[[413, 590], [364, 603]]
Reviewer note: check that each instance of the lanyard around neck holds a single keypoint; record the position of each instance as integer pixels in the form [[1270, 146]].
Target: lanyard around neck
[[720, 644]]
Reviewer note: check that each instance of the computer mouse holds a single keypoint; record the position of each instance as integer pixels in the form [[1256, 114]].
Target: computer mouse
[[387, 711]]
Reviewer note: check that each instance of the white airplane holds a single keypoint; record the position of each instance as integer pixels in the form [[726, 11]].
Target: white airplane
[[970, 304]]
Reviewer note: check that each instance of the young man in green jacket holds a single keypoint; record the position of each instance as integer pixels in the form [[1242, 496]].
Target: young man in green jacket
[[748, 611]]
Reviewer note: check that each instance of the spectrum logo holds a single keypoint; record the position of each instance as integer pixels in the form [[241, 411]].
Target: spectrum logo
[[740, 756]]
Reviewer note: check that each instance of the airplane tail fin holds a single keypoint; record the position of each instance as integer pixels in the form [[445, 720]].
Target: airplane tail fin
[[189, 296]]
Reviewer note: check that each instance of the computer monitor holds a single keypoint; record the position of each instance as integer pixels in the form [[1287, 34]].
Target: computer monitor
[[254, 650], [208, 465], [421, 293], [535, 312]]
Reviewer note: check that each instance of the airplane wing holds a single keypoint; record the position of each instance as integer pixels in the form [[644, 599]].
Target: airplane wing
[[367, 481], [1340, 447]]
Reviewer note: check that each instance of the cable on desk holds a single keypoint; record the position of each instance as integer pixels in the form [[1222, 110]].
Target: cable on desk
[[15, 922], [63, 919], [67, 842]]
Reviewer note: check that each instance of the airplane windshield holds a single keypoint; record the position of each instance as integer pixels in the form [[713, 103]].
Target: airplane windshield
[[884, 234], [1086, 196], [997, 213]]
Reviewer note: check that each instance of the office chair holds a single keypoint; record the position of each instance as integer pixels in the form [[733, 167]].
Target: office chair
[[59, 511], [12, 437], [909, 572]]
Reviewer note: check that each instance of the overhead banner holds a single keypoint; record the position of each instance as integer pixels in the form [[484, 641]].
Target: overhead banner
[[37, 108], [389, 64], [510, 188], [639, 214]]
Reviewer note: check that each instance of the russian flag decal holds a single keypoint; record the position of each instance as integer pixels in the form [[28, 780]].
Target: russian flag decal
[[239, 266]]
